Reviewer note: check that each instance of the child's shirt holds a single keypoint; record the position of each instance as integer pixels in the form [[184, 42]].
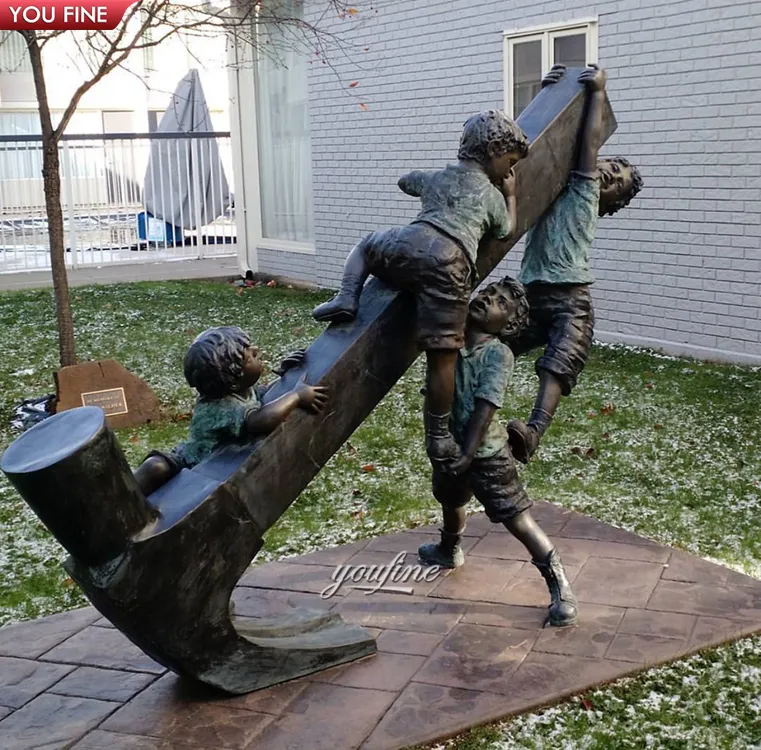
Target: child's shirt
[[557, 246], [481, 372], [217, 422], [461, 202]]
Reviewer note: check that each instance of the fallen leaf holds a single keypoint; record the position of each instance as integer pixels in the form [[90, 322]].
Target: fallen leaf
[[352, 11], [356, 492], [135, 439], [68, 582], [590, 452], [658, 426], [363, 106], [576, 450], [587, 704], [368, 468], [239, 291], [592, 415], [271, 283], [649, 386], [350, 448], [353, 84], [605, 435], [607, 409]]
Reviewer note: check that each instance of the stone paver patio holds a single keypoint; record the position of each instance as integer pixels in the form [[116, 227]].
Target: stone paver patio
[[464, 649]]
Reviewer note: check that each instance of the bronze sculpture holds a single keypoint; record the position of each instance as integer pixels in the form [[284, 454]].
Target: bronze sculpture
[[434, 257], [224, 368], [555, 266], [209, 521], [486, 468]]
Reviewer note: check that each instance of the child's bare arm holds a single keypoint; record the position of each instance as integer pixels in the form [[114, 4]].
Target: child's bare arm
[[594, 79], [508, 190], [483, 413], [311, 397]]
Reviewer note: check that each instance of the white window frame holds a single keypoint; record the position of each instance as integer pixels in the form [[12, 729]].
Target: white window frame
[[546, 34]]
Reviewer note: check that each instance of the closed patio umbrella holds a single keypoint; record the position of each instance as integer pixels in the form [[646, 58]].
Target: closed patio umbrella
[[185, 183]]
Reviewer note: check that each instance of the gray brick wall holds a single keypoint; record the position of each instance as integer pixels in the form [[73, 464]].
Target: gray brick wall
[[283, 263], [681, 266]]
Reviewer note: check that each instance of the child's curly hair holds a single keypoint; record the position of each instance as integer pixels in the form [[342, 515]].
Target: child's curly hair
[[637, 184], [491, 133], [214, 362]]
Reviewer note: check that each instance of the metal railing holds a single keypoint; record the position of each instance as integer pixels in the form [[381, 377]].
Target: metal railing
[[105, 188]]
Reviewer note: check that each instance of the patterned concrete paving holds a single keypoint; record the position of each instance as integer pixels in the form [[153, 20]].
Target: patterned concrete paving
[[463, 649]]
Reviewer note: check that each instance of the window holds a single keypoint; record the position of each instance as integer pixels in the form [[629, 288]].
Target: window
[[20, 160], [14, 56], [154, 118], [284, 151], [530, 53]]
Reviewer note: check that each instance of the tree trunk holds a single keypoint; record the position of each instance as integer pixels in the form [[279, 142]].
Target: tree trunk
[[51, 177]]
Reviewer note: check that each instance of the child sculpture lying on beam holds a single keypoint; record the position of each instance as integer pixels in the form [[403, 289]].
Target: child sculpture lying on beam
[[435, 256], [223, 366]]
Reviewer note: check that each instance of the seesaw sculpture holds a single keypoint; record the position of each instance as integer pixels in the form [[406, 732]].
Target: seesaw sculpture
[[162, 569]]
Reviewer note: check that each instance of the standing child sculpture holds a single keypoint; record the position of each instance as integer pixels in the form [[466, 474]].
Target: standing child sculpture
[[434, 256], [487, 468], [555, 266], [223, 366]]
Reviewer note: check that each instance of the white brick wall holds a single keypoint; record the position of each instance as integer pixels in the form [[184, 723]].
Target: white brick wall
[[681, 266]]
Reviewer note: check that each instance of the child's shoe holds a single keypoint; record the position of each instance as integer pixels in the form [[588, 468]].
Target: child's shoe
[[446, 554], [523, 439], [563, 609], [440, 445], [343, 307]]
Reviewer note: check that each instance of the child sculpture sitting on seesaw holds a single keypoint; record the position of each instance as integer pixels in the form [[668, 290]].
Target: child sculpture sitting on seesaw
[[435, 256], [223, 366]]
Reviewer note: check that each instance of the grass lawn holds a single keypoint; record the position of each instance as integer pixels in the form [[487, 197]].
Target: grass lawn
[[664, 447]]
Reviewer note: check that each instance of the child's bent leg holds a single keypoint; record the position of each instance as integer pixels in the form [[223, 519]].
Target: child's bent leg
[[440, 445], [498, 488], [154, 472], [343, 307], [453, 494], [563, 609], [569, 320]]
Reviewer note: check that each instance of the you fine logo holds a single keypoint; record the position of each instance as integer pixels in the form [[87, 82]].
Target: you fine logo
[[61, 15], [380, 575]]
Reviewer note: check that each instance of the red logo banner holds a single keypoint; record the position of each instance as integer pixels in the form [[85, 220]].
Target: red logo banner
[[56, 15]]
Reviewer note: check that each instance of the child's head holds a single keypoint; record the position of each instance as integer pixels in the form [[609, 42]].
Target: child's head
[[222, 361], [493, 140], [620, 181], [500, 308]]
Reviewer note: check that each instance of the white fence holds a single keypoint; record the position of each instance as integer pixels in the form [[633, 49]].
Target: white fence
[[102, 195]]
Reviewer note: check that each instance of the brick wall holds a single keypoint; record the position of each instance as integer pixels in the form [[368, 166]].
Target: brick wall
[[681, 267]]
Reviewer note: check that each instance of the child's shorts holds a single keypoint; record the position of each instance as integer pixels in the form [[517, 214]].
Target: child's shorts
[[431, 265], [561, 316], [495, 483]]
